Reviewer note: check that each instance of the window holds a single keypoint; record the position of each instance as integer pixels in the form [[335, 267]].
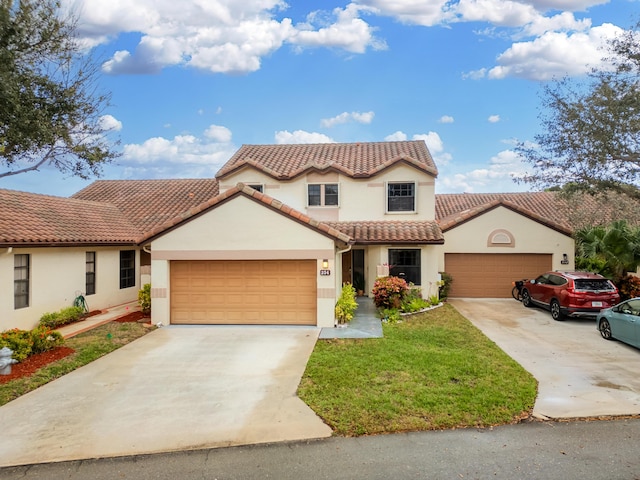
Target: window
[[90, 282], [20, 281], [405, 264], [127, 268], [401, 197], [257, 186], [322, 195]]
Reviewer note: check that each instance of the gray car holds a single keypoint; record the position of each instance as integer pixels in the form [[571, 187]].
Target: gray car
[[621, 322]]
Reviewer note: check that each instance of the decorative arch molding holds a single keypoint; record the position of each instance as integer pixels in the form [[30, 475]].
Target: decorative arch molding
[[501, 238]]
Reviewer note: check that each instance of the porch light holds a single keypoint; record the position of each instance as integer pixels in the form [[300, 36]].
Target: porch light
[[325, 263], [565, 259]]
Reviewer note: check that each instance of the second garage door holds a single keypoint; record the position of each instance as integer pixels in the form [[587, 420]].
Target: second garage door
[[486, 275], [265, 292]]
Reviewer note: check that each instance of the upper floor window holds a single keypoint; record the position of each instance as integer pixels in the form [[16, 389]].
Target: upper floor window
[[90, 282], [21, 280], [322, 194], [127, 268], [257, 186], [401, 197]]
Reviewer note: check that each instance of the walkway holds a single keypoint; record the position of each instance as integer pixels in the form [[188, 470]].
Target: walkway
[[365, 323]]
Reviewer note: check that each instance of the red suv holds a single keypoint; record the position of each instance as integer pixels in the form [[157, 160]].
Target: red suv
[[570, 294]]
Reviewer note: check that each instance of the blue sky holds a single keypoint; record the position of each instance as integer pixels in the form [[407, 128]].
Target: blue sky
[[192, 81]]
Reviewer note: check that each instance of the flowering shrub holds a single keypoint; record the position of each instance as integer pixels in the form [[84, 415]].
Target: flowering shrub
[[388, 292], [29, 342], [629, 287], [44, 339]]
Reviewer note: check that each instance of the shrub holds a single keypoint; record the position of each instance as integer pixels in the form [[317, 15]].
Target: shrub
[[20, 341], [629, 287], [62, 317], [388, 292], [44, 339], [346, 304], [391, 315], [412, 300], [445, 285], [144, 299]]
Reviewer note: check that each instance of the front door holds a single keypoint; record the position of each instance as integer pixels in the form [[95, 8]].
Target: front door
[[353, 269]]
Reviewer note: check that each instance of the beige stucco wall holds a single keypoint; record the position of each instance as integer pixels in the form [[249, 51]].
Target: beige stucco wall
[[529, 237], [360, 199], [241, 229], [57, 276]]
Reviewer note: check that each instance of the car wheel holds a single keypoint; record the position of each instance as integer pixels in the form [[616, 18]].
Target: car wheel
[[605, 329], [526, 299], [556, 314]]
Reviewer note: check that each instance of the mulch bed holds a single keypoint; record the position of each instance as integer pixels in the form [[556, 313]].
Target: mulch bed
[[34, 362]]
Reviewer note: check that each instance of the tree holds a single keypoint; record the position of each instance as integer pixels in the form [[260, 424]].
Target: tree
[[591, 130], [51, 112], [615, 249]]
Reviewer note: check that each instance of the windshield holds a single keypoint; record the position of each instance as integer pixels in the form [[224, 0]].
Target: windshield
[[594, 285]]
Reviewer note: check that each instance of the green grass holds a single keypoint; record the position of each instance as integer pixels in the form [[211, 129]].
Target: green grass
[[434, 371], [88, 347]]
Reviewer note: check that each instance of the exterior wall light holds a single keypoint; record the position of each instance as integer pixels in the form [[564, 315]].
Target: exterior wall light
[[325, 263]]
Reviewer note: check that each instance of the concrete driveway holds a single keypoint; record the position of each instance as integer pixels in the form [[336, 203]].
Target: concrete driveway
[[579, 373], [175, 388]]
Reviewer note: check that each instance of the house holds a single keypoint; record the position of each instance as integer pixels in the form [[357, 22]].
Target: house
[[273, 237]]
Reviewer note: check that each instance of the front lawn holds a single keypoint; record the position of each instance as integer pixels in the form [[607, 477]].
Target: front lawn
[[434, 371]]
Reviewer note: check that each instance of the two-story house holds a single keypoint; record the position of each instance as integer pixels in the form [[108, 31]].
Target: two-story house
[[274, 236]]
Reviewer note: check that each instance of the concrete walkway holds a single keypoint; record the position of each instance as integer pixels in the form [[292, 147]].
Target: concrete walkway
[[365, 323], [106, 316]]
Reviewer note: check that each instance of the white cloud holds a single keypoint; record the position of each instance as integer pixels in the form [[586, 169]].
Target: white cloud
[[446, 119], [419, 12], [349, 32], [110, 123], [180, 156], [554, 54], [498, 176], [493, 118], [433, 141], [344, 117], [300, 136], [497, 12], [396, 137], [218, 133], [223, 36]]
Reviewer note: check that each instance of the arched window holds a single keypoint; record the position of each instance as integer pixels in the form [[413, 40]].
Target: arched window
[[501, 238]]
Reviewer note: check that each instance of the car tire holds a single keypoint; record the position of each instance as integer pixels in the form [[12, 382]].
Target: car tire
[[526, 299], [556, 313], [605, 329]]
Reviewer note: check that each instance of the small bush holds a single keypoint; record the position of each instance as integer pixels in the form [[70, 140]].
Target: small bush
[[412, 300], [445, 285], [390, 315], [388, 292], [19, 341], [144, 299], [44, 339], [629, 287], [62, 317], [346, 304]]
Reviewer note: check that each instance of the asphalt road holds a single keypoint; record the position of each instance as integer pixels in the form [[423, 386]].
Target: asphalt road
[[605, 449]]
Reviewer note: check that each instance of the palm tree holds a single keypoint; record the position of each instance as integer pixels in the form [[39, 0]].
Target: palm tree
[[616, 248]]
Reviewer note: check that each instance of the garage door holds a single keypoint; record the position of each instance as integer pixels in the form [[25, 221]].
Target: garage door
[[489, 275], [244, 292]]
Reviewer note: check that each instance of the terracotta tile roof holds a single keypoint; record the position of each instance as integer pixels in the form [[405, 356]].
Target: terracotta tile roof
[[376, 232], [358, 160], [270, 202], [150, 203], [544, 207], [39, 220]]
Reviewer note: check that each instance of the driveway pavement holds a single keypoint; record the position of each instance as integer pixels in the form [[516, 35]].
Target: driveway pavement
[[175, 388], [579, 373]]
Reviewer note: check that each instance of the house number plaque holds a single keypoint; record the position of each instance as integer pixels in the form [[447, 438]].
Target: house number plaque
[[325, 273]]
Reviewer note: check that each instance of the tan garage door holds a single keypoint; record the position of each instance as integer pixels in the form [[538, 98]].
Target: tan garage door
[[244, 292], [489, 275]]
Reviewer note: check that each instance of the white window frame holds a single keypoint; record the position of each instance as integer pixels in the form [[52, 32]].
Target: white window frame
[[323, 194], [415, 198]]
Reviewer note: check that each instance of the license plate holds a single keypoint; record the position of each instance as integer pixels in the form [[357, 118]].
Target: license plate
[[596, 304]]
